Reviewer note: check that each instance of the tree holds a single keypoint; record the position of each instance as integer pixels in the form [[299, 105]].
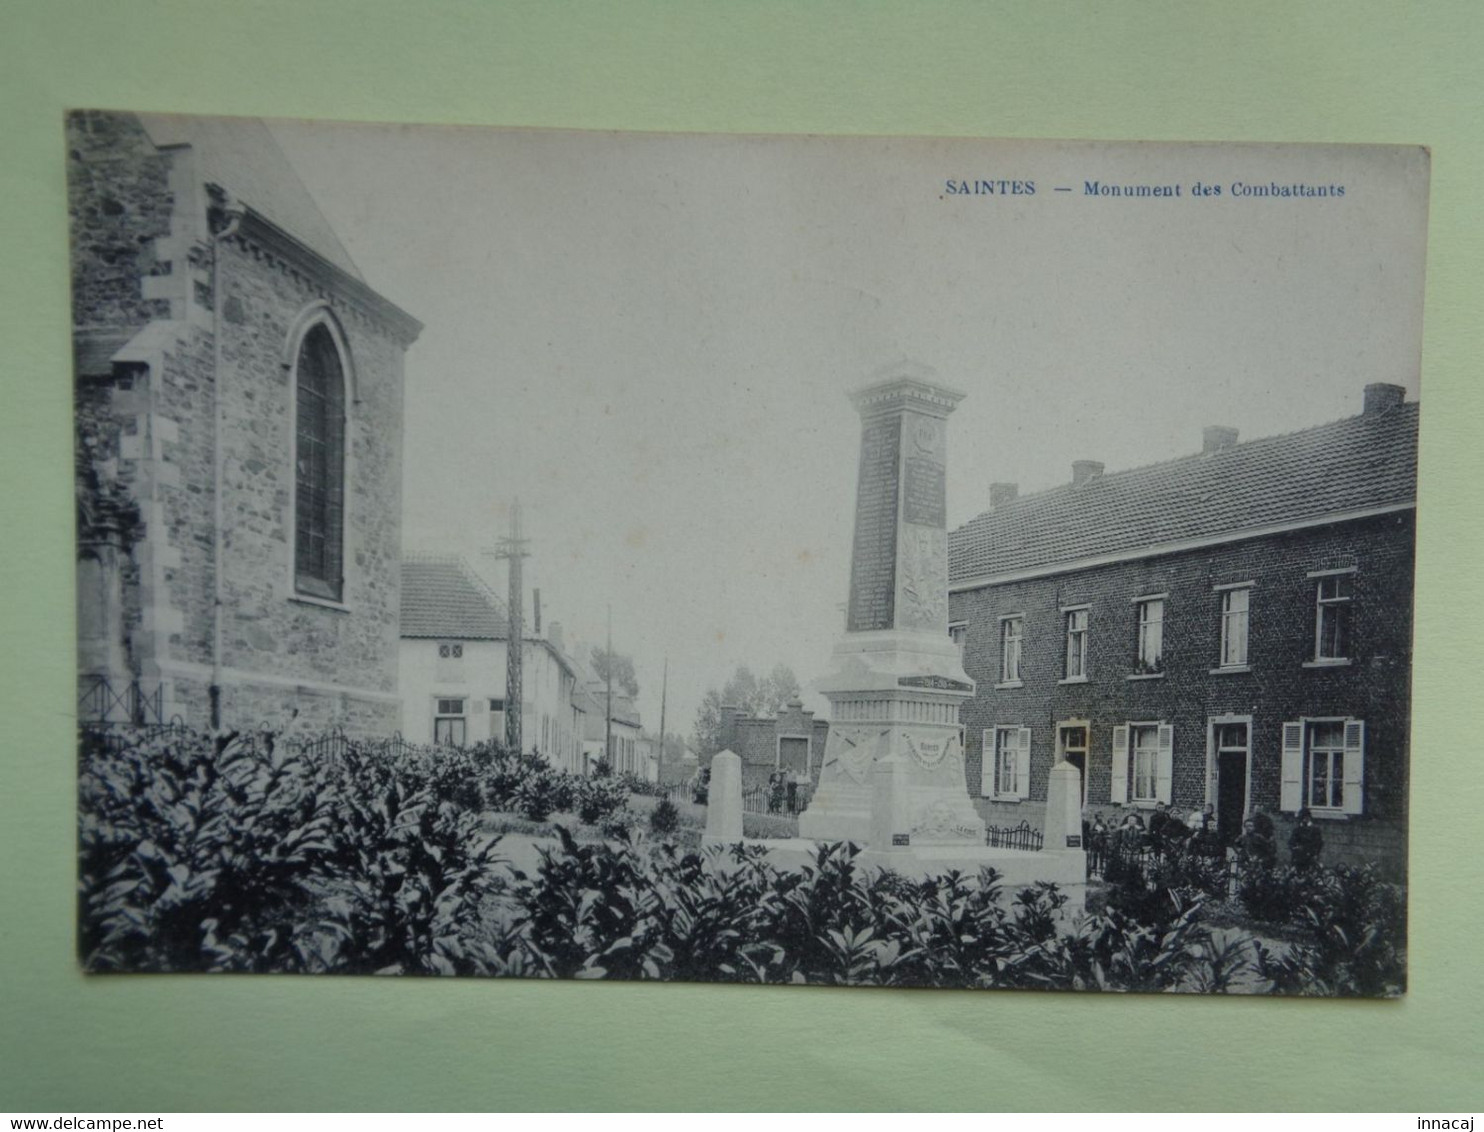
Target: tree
[[778, 688], [743, 690], [707, 732], [624, 679]]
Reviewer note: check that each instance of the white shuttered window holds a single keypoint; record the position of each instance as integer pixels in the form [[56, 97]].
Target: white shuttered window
[[1324, 765]]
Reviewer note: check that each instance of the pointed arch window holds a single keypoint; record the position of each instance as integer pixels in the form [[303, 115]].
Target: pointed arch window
[[319, 466]]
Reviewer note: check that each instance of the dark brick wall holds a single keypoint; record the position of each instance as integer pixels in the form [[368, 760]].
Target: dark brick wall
[[1374, 687], [755, 740]]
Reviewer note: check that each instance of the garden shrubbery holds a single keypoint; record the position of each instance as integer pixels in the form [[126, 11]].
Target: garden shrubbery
[[236, 854], [600, 910], [199, 853], [664, 819]]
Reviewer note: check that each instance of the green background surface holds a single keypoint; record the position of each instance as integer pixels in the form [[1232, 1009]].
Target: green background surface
[[1351, 72]]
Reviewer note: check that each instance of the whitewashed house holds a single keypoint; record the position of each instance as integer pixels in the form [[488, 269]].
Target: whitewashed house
[[451, 667]]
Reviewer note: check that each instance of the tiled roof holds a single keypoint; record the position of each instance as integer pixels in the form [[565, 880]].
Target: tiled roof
[[442, 597], [1362, 462], [241, 155]]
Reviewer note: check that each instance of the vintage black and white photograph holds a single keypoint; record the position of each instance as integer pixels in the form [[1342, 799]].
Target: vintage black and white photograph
[[768, 559]]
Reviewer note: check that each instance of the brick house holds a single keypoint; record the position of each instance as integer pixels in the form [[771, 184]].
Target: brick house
[[1232, 627], [239, 436], [792, 741], [451, 667]]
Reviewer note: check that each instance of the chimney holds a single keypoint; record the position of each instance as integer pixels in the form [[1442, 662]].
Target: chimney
[[555, 635], [1085, 470], [729, 714], [1379, 397], [1001, 495], [1217, 438], [536, 612]]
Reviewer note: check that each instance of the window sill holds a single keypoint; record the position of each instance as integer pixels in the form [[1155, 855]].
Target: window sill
[[1004, 798], [1330, 815], [1145, 676], [1073, 680], [1010, 684], [1231, 669], [321, 602], [1328, 662]]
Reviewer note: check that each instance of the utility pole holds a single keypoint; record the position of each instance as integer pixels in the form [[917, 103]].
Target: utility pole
[[513, 548], [608, 713], [659, 766]]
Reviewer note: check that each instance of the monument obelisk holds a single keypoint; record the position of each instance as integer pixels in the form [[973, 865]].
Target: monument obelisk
[[893, 770]]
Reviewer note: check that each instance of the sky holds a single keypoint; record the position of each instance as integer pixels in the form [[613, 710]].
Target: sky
[[649, 340]]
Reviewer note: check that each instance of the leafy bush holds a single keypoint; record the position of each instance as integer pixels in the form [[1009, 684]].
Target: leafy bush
[[664, 819], [599, 797], [198, 854], [238, 854], [540, 793], [1354, 938], [1272, 895], [606, 910], [637, 784]]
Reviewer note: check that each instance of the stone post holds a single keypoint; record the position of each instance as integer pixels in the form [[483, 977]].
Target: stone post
[[1063, 829], [724, 800], [897, 682]]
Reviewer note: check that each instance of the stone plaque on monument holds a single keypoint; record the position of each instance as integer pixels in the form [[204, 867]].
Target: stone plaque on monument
[[874, 552]]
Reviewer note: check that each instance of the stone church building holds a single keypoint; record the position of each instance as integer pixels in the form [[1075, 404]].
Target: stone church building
[[239, 437]]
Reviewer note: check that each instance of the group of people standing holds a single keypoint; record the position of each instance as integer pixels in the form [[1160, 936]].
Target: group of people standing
[[783, 793], [1170, 832]]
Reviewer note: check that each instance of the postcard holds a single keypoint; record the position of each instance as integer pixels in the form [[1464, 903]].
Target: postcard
[[783, 560]]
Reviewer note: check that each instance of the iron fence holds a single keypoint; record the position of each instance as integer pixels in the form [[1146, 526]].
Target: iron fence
[[100, 702], [1213, 869], [764, 799], [1022, 836]]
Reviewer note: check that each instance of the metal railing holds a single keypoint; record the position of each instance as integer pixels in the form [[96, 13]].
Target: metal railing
[[99, 701], [1021, 836], [761, 799]]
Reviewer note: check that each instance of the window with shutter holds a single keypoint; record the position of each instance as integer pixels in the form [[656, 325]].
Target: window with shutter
[[1023, 769], [1144, 750], [1011, 762], [1164, 763], [1324, 783]]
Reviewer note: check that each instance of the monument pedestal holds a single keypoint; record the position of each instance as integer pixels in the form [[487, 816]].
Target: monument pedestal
[[893, 770]]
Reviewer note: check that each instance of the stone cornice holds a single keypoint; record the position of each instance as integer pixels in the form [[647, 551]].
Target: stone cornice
[[258, 229], [902, 392]]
